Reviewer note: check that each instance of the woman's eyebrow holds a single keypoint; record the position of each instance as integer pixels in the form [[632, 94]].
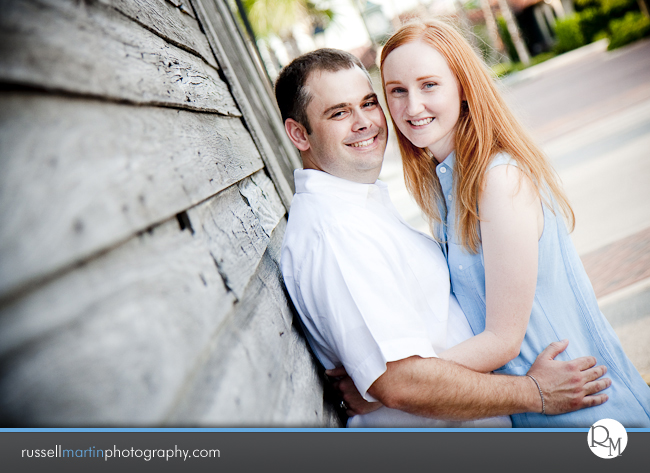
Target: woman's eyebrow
[[433, 76]]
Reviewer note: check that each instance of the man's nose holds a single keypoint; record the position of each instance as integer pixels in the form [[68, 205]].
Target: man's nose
[[361, 121]]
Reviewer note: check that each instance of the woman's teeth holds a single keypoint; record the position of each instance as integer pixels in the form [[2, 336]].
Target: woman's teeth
[[424, 121]]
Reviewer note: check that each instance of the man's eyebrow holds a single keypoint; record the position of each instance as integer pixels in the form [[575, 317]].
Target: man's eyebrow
[[334, 107], [371, 95]]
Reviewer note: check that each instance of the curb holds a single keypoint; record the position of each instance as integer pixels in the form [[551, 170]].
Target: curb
[[627, 304], [555, 63], [623, 293]]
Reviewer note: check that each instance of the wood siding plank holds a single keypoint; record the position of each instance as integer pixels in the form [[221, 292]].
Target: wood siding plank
[[139, 321], [257, 371], [175, 23], [238, 235], [258, 109], [78, 176], [92, 49], [112, 341]]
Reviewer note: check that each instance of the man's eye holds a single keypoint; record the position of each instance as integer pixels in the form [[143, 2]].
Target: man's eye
[[371, 103], [337, 114]]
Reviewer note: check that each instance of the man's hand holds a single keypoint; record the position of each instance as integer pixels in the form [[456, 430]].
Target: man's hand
[[356, 404], [568, 385]]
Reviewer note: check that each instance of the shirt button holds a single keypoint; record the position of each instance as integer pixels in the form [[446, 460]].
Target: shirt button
[[443, 169], [449, 197], [460, 266]]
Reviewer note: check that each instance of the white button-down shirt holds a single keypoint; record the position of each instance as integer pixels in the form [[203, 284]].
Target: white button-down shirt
[[368, 287]]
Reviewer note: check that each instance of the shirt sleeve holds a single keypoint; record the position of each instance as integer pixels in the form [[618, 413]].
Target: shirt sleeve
[[357, 298]]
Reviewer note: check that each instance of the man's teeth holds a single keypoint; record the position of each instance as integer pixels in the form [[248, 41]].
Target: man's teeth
[[359, 144], [424, 121]]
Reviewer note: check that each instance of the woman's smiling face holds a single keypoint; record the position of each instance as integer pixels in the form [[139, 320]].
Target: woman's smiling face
[[423, 97]]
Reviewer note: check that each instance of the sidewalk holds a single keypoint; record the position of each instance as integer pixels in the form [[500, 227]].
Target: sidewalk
[[620, 274], [555, 63]]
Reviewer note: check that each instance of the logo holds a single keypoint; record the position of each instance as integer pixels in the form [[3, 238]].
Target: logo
[[607, 438]]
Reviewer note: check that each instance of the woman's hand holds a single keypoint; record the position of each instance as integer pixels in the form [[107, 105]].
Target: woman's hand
[[356, 405]]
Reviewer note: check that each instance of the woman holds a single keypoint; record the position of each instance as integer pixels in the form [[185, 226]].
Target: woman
[[493, 198]]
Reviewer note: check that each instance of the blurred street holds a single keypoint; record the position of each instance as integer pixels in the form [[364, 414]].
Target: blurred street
[[590, 111]]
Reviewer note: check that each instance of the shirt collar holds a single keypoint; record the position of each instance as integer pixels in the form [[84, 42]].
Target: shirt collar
[[448, 161], [319, 182]]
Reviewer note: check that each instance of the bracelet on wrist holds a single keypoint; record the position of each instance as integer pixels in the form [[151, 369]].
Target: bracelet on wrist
[[541, 394]]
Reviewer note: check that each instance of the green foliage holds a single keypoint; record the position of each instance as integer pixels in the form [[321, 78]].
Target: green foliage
[[617, 8], [482, 40], [541, 58], [592, 21], [502, 69], [633, 26], [584, 4], [597, 16], [505, 68], [269, 17], [507, 39], [613, 7], [601, 35], [569, 34]]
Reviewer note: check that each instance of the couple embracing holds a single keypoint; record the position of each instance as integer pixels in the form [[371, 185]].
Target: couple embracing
[[492, 323]]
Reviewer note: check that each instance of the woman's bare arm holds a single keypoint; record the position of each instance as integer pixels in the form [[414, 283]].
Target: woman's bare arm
[[511, 225]]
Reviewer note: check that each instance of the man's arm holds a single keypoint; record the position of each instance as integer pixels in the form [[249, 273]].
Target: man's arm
[[432, 387]]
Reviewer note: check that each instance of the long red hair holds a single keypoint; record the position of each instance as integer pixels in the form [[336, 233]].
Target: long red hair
[[485, 127]]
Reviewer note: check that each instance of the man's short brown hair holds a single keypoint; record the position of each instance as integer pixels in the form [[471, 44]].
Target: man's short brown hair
[[290, 92]]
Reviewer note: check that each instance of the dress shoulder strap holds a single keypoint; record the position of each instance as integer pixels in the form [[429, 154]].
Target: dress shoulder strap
[[501, 159]]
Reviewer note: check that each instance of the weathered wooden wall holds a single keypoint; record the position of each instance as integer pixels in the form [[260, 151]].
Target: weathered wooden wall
[[144, 181]]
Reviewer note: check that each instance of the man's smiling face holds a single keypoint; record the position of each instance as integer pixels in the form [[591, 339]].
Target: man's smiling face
[[348, 127]]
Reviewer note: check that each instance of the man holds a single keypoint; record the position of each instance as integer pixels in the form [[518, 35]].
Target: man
[[372, 292]]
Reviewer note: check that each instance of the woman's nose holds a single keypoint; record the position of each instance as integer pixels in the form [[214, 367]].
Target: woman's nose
[[414, 106]]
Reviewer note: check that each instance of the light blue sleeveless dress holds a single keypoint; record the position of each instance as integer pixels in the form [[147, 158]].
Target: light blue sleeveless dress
[[564, 307]]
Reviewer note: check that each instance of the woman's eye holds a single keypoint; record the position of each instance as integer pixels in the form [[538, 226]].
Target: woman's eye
[[429, 85], [398, 90]]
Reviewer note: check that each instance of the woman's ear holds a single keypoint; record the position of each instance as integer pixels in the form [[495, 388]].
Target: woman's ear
[[297, 134]]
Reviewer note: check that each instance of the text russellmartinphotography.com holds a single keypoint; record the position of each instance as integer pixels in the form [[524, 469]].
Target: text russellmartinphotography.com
[[145, 454]]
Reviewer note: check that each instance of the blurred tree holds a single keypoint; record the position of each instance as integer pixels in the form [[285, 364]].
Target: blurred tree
[[513, 29], [278, 17], [491, 24]]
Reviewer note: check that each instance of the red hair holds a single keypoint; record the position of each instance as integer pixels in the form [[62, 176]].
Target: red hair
[[485, 127]]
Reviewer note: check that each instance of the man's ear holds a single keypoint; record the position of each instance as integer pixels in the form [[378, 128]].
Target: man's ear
[[297, 134]]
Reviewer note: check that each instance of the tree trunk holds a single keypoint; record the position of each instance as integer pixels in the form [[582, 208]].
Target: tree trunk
[[465, 24], [291, 44], [513, 29], [493, 30]]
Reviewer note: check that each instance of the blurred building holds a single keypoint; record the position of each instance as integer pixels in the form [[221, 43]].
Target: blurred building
[[535, 18]]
